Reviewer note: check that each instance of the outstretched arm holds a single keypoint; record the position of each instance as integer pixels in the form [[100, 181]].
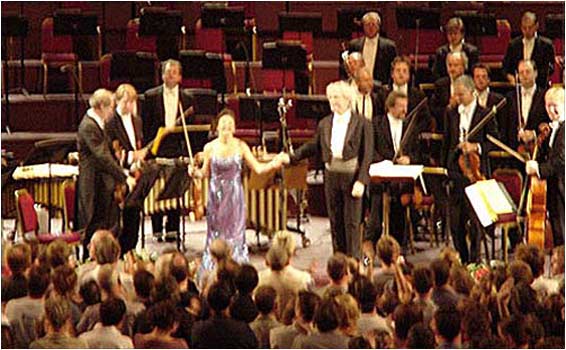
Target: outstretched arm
[[252, 162]]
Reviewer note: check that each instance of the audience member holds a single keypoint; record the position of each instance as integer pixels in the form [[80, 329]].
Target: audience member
[[442, 294], [446, 326], [350, 316], [106, 333], [366, 294], [405, 316], [327, 320], [265, 297], [388, 251], [18, 259], [243, 307], [423, 281], [337, 269], [420, 337], [162, 317], [64, 282]]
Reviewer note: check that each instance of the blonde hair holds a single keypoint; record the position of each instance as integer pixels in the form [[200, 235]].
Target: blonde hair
[[126, 91], [101, 98], [286, 241], [341, 88]]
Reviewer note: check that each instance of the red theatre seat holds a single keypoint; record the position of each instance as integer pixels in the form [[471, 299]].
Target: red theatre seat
[[56, 51], [135, 42], [493, 48]]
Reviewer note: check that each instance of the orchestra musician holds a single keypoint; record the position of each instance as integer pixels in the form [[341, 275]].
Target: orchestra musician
[[459, 121], [344, 141], [550, 163], [124, 129], [388, 131], [99, 171], [486, 98], [161, 108]]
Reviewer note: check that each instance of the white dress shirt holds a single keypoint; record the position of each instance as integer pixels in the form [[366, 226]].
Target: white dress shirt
[[466, 115], [396, 129], [91, 113], [171, 103], [555, 125], [528, 46], [339, 129], [364, 105], [401, 88], [458, 47], [369, 52], [128, 123], [527, 101], [482, 97]]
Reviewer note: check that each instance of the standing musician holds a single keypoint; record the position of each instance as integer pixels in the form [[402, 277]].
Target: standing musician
[[161, 108], [345, 144], [99, 172], [388, 131], [459, 121], [124, 130], [550, 164], [526, 111], [365, 102]]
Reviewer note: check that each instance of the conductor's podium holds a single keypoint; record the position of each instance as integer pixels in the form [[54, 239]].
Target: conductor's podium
[[267, 196]]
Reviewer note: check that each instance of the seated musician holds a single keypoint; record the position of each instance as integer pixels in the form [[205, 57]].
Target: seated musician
[[458, 123], [388, 131], [523, 116], [550, 164], [124, 130]]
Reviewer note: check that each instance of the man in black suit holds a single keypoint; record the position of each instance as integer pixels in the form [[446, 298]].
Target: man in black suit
[[531, 107], [388, 131], [486, 98], [378, 52], [459, 122], [161, 108], [124, 130], [550, 164], [455, 36], [344, 141], [99, 172], [530, 46], [443, 96], [365, 102]]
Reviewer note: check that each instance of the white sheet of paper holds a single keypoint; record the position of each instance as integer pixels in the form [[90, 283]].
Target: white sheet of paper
[[386, 168], [38, 171]]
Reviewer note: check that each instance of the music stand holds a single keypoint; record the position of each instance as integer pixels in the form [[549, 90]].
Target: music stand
[[50, 151], [166, 26], [77, 24], [306, 22], [284, 55], [417, 18], [201, 65], [554, 27], [260, 109], [138, 68], [13, 26], [349, 21], [314, 107]]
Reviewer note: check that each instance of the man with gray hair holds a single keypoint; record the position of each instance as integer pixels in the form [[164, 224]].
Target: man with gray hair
[[99, 171], [459, 122], [378, 52], [454, 30], [344, 141], [161, 108]]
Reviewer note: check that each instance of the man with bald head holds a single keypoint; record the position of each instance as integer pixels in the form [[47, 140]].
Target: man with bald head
[[530, 46], [365, 102]]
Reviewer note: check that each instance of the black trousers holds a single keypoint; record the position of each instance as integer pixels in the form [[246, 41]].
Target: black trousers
[[461, 212], [374, 224], [344, 212], [130, 229], [172, 225], [555, 205]]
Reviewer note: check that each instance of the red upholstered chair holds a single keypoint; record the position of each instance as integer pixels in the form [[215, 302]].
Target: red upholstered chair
[[145, 77], [135, 42], [429, 41], [69, 193], [493, 48], [28, 224], [56, 51], [512, 179]]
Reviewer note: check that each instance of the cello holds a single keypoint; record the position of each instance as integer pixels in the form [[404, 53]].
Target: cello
[[537, 226]]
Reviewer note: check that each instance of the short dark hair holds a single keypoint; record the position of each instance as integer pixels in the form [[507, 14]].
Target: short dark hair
[[405, 316], [18, 258], [337, 266], [58, 253], [64, 279], [521, 271], [533, 256], [441, 272], [328, 315], [365, 293], [393, 97], [482, 66], [112, 311], [57, 311], [308, 303], [143, 283], [218, 298], [265, 299], [106, 250], [162, 315], [476, 322], [179, 267], [359, 342], [448, 322], [247, 279], [516, 328], [420, 337], [401, 59], [422, 278], [165, 288], [90, 292], [38, 281]]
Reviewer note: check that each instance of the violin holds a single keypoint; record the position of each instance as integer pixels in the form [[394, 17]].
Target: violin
[[119, 189]]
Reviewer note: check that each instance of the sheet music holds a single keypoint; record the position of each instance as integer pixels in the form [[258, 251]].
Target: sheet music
[[489, 201], [387, 169], [38, 171]]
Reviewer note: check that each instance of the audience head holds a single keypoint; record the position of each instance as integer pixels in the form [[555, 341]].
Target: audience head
[[523, 299], [106, 250], [364, 80], [340, 95], [97, 235], [162, 316], [337, 267], [165, 288], [527, 70], [464, 90], [38, 281], [218, 298], [64, 280], [57, 313], [514, 331], [365, 293], [143, 283], [441, 272], [456, 64], [306, 305], [247, 279], [58, 253], [171, 73], [420, 337], [450, 255], [264, 298], [371, 22], [388, 249], [476, 322], [397, 104], [405, 316], [423, 279], [521, 272], [529, 24], [533, 256], [90, 293], [18, 258], [461, 280], [401, 70], [454, 29], [126, 99], [285, 240], [350, 313], [277, 258], [328, 315], [108, 279], [447, 324], [102, 101], [554, 103], [179, 268], [481, 73], [557, 260], [112, 311]]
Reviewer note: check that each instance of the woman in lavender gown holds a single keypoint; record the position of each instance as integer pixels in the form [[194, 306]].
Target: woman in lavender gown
[[226, 209]]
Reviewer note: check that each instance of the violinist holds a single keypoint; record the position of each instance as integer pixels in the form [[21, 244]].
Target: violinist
[[388, 131], [459, 121], [526, 108], [124, 129], [99, 172], [550, 163]]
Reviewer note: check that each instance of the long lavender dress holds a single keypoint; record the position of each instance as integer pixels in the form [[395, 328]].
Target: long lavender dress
[[226, 208]]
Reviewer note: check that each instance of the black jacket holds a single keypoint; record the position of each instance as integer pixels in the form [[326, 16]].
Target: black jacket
[[439, 64], [386, 52], [543, 55]]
